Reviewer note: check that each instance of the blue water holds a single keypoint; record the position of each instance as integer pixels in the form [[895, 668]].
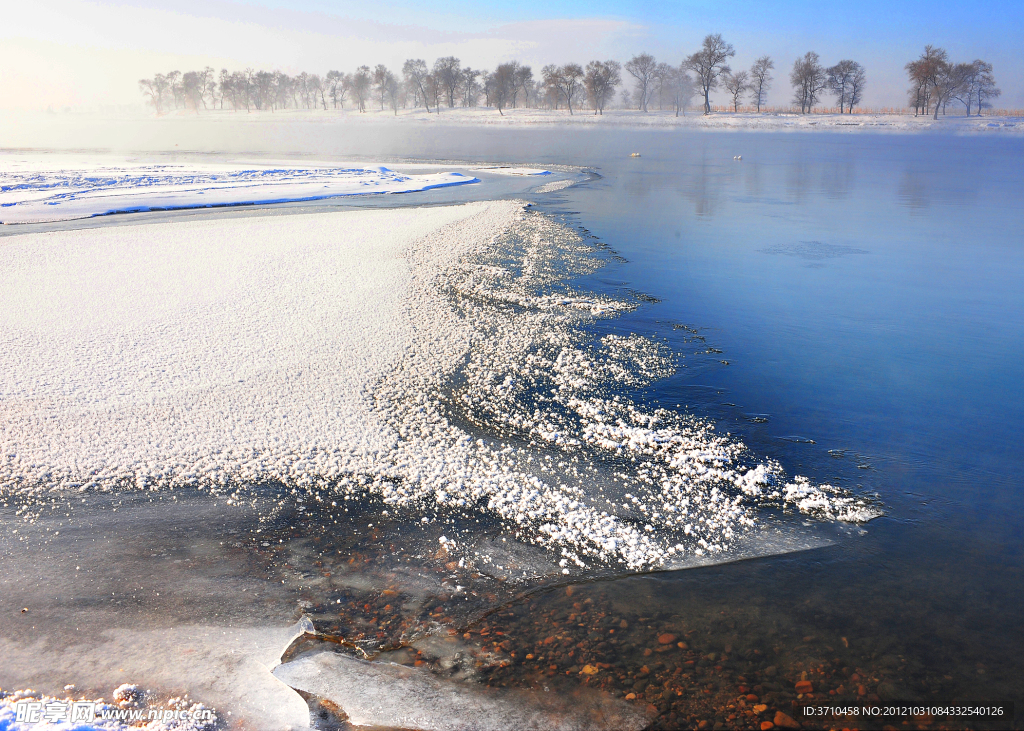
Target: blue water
[[868, 296]]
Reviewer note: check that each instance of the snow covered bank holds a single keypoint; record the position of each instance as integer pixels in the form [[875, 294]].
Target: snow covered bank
[[33, 190], [693, 119], [206, 351]]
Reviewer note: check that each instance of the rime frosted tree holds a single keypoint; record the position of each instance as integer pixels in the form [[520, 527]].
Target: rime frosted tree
[[809, 80], [737, 85], [642, 68], [709, 63], [600, 80], [761, 80], [846, 80]]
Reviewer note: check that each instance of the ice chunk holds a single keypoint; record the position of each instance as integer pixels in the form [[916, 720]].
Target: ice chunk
[[377, 694]]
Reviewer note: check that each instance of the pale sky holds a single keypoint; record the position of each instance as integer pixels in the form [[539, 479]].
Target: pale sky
[[81, 53]]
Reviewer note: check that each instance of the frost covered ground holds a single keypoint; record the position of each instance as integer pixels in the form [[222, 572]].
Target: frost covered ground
[[33, 190]]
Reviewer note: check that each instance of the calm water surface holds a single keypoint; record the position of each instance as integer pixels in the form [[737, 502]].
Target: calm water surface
[[866, 294]]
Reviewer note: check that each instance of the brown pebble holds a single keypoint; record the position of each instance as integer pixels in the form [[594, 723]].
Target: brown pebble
[[751, 698], [623, 624], [666, 639], [784, 721], [861, 690], [765, 725], [648, 652], [804, 686]]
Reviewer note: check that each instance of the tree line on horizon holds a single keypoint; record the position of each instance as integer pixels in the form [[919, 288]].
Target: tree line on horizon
[[447, 83]]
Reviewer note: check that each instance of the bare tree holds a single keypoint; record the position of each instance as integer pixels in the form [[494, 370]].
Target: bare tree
[[846, 81], [569, 82], [737, 85], [809, 80], [761, 80], [942, 78], [319, 87], [600, 81], [393, 87], [448, 71], [192, 89], [923, 73], [174, 86], [360, 86], [380, 82], [709, 63], [156, 89], [678, 86], [249, 83], [514, 91], [524, 82], [336, 88], [470, 88], [985, 85], [975, 83], [500, 85], [415, 72], [642, 68]]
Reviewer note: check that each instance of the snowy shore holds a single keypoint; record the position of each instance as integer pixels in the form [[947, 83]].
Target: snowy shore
[[32, 191], [292, 129]]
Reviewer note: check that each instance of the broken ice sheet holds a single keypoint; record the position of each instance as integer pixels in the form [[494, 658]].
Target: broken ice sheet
[[379, 694]]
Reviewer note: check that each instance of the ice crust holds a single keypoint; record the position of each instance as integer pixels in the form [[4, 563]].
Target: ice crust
[[433, 357], [32, 191], [392, 696], [229, 666]]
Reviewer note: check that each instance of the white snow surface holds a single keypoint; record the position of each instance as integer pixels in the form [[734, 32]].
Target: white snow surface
[[204, 351], [34, 191]]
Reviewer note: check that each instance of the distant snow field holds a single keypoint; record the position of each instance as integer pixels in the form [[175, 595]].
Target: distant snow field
[[32, 191]]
